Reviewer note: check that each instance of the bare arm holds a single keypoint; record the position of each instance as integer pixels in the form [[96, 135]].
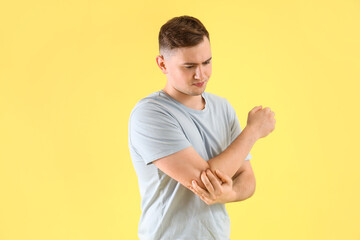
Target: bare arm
[[187, 164], [233, 157], [228, 190], [244, 182], [244, 186]]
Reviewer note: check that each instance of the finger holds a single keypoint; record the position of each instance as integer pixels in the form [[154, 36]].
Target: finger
[[216, 177], [214, 180], [207, 200], [193, 189], [199, 190], [256, 108], [207, 183], [223, 177]]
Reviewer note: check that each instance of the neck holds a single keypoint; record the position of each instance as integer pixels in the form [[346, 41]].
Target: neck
[[196, 102]]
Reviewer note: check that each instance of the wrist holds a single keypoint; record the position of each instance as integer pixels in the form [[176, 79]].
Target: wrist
[[251, 133]]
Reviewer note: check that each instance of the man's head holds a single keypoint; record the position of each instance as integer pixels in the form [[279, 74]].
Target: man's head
[[185, 55]]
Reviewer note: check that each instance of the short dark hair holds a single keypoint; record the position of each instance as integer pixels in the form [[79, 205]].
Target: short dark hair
[[183, 31]]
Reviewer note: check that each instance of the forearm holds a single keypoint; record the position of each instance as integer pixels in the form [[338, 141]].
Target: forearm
[[230, 160], [243, 186]]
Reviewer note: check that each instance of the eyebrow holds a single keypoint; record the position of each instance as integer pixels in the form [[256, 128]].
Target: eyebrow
[[196, 63]]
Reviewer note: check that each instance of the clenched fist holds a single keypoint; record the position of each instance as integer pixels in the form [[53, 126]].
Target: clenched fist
[[262, 121]]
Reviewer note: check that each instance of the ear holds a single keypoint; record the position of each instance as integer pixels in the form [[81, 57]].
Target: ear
[[161, 63]]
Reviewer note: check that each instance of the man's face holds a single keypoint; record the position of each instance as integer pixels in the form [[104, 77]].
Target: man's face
[[189, 69]]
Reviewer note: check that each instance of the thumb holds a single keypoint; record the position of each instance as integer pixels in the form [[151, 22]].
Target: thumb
[[223, 177]]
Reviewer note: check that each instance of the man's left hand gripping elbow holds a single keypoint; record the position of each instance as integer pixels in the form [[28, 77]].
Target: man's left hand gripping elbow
[[220, 188]]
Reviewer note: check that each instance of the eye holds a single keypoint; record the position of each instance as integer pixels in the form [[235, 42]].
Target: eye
[[188, 67]]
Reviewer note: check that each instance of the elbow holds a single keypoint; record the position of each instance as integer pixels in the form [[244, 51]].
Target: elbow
[[252, 192], [252, 188]]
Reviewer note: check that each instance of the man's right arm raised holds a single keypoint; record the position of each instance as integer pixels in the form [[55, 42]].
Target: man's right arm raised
[[186, 165], [153, 134]]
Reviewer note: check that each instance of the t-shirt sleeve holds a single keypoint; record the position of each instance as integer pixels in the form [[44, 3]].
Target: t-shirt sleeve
[[154, 133], [235, 127]]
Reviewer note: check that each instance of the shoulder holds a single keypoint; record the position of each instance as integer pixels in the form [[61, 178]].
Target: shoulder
[[153, 106]]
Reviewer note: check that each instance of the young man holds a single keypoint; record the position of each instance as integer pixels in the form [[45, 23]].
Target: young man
[[187, 146]]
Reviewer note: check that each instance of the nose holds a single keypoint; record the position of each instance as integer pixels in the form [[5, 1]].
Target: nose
[[199, 74]]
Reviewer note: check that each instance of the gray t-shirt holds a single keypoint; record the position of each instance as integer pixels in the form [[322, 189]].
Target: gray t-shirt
[[160, 126]]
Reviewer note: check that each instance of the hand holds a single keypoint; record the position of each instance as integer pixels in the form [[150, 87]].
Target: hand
[[219, 187], [262, 121]]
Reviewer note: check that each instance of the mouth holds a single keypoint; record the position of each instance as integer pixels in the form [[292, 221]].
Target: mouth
[[199, 84]]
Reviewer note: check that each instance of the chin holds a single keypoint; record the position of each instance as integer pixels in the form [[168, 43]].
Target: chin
[[197, 93]]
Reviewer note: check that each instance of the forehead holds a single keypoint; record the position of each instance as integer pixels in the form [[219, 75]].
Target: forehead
[[195, 54]]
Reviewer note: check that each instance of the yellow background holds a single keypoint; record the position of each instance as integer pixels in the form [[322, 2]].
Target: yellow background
[[71, 71]]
